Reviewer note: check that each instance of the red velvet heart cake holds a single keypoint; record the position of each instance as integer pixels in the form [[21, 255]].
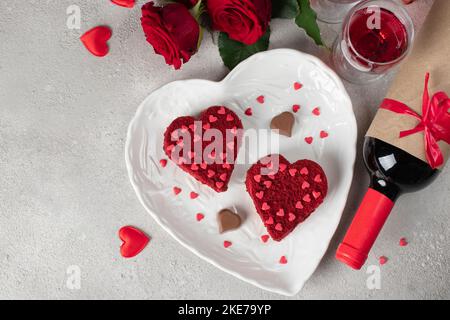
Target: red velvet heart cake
[[188, 142], [287, 195]]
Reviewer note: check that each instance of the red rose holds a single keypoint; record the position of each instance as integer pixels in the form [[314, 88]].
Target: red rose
[[243, 20], [172, 31]]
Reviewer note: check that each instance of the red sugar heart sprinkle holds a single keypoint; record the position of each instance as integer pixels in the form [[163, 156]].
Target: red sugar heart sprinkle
[[221, 110], [200, 216], [176, 190], [249, 112], [283, 260], [96, 40], [304, 171], [227, 244], [230, 118], [257, 178], [309, 140], [383, 260], [297, 85], [323, 134], [265, 238], [403, 242], [259, 195], [317, 178], [295, 108], [219, 185], [134, 241], [163, 163], [268, 184], [260, 99], [124, 3], [316, 111], [193, 195]]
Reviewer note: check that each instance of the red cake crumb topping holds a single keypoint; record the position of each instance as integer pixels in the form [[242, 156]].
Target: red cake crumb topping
[[295, 194], [216, 174]]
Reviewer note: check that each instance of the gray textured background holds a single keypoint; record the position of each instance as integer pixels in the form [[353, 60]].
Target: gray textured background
[[64, 190]]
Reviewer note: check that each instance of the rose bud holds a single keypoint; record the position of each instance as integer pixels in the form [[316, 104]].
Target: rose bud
[[243, 20], [172, 31]]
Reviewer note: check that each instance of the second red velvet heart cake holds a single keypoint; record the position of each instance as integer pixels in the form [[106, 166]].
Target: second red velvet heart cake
[[208, 165], [287, 194]]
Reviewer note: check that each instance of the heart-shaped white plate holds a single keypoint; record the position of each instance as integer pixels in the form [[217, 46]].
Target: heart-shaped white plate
[[270, 74]]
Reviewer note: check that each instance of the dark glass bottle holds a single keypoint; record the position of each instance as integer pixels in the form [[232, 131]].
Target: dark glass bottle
[[392, 172]]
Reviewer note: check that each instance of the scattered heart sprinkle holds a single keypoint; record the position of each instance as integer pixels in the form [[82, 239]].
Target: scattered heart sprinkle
[[297, 86], [163, 163], [176, 190], [295, 108], [96, 40], [383, 260], [309, 140], [227, 244], [193, 195], [323, 134], [403, 242], [200, 216], [316, 111], [265, 238], [260, 99], [283, 260], [124, 3], [134, 241], [249, 112]]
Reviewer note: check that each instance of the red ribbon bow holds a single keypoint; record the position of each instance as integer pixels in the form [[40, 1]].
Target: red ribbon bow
[[435, 122]]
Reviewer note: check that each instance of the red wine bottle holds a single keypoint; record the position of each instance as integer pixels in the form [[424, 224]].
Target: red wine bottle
[[396, 155], [393, 171]]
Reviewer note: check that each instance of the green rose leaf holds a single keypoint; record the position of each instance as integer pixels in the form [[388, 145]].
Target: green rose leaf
[[307, 20], [233, 52], [285, 9]]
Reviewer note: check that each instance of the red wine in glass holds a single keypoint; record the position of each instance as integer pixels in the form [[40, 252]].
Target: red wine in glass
[[377, 36]]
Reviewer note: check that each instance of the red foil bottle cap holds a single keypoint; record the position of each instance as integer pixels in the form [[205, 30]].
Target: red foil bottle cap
[[367, 224]]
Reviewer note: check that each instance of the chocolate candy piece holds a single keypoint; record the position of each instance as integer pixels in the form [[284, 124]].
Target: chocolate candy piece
[[284, 122], [228, 220]]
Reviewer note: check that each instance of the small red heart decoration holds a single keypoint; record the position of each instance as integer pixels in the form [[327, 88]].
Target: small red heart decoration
[[261, 99], [96, 40], [215, 174], [124, 3], [295, 194], [323, 134], [134, 241], [297, 85]]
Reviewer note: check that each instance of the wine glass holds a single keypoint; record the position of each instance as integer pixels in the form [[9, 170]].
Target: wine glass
[[332, 11], [376, 36]]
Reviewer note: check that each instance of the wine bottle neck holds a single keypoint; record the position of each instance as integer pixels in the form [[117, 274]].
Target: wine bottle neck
[[390, 190]]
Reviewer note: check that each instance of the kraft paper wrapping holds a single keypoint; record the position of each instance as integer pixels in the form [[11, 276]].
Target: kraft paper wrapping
[[431, 53]]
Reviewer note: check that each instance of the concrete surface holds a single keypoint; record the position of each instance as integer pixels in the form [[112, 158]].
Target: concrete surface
[[64, 190]]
